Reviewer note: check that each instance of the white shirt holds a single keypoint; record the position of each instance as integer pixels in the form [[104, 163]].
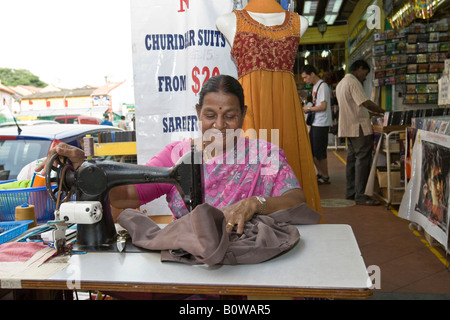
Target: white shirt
[[352, 114], [322, 118]]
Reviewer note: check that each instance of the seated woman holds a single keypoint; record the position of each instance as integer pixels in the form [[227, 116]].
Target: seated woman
[[242, 177]]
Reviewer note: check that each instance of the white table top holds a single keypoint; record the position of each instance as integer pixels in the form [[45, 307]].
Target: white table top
[[326, 257]]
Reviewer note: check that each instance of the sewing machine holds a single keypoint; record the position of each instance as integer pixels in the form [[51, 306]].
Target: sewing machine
[[91, 183]]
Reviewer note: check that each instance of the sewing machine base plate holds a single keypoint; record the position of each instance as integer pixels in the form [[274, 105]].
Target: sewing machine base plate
[[108, 247]]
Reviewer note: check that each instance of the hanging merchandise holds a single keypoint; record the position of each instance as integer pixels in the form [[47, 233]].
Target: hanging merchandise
[[411, 10], [273, 104], [412, 58], [423, 9], [403, 16]]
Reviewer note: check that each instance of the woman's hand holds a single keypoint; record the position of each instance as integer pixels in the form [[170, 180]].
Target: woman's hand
[[242, 211], [239, 213], [74, 154]]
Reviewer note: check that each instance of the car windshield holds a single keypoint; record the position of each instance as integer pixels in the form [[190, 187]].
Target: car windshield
[[16, 154]]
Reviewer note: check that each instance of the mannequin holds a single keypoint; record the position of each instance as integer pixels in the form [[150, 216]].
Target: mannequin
[[266, 12], [268, 81]]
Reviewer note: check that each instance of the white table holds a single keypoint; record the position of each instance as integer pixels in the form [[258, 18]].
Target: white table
[[325, 263]]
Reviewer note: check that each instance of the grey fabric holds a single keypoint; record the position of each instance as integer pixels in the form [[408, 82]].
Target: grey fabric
[[201, 237]]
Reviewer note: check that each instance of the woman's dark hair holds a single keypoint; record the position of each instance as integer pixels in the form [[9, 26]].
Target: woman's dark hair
[[225, 84]]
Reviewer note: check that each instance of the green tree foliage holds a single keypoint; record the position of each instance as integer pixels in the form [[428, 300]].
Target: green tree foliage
[[15, 77]]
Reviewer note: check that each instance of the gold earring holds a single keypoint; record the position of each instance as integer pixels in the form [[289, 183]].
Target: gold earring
[[214, 125]]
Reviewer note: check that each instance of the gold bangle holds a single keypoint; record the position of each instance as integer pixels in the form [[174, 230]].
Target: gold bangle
[[263, 203]]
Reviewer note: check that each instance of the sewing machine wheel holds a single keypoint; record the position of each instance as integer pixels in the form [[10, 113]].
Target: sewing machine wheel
[[59, 167]]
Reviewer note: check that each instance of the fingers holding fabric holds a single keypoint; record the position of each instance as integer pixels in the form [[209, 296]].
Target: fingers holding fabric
[[238, 214]]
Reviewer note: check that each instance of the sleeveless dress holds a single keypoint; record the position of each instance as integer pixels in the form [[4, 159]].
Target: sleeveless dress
[[265, 57]]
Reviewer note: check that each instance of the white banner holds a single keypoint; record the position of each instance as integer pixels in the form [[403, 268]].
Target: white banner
[[176, 47], [426, 198]]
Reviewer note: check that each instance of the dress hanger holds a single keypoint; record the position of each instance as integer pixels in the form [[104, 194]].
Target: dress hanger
[[264, 6]]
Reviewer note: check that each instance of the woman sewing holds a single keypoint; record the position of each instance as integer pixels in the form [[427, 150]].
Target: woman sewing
[[242, 177]]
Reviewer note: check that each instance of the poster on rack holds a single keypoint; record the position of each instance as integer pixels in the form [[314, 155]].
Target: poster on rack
[[410, 139], [176, 48], [426, 198]]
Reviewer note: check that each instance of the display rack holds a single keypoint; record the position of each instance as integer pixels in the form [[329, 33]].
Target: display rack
[[390, 137], [412, 59]]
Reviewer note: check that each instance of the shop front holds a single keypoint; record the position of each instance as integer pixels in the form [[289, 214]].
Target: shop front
[[406, 44], [409, 58]]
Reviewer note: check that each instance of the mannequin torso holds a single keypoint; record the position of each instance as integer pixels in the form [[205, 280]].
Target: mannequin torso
[[268, 81], [227, 22]]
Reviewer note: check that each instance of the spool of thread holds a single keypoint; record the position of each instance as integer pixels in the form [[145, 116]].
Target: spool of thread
[[26, 212], [38, 181], [88, 143]]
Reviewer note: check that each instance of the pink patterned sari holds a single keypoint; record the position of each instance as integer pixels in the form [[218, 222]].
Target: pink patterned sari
[[252, 168]]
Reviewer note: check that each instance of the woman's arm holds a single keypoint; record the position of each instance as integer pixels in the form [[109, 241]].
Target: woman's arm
[[123, 197], [120, 197], [242, 211]]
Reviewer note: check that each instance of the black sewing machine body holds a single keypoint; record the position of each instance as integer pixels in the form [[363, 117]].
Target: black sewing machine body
[[93, 180]]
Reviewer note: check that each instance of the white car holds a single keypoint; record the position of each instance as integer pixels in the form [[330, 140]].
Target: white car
[[18, 149], [22, 123]]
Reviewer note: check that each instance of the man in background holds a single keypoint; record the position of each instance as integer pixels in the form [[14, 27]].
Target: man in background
[[318, 133], [106, 121], [122, 123], [355, 125]]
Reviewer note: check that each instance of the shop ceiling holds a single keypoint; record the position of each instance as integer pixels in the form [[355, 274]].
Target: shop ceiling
[[334, 12]]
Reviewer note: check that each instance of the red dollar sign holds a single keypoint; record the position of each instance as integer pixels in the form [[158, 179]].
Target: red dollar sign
[[196, 86]]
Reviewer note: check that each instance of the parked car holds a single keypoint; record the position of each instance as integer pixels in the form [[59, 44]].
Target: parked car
[[34, 142], [77, 119], [22, 123]]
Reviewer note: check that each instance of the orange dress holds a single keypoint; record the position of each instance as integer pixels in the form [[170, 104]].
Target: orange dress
[[265, 57]]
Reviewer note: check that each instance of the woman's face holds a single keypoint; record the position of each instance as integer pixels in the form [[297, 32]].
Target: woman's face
[[220, 112]]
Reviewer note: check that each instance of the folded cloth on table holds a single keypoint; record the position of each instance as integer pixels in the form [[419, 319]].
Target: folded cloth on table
[[27, 259], [19, 251], [201, 236]]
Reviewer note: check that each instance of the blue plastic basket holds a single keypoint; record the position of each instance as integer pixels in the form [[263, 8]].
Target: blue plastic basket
[[13, 229], [44, 206]]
